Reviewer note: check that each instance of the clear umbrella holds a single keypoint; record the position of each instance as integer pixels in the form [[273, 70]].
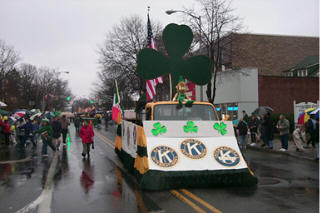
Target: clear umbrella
[[36, 115], [3, 104], [263, 110]]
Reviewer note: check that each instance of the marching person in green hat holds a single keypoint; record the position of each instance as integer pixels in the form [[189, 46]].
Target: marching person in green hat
[[46, 136], [57, 131]]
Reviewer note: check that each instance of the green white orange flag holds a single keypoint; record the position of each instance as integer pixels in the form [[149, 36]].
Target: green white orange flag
[[116, 108]]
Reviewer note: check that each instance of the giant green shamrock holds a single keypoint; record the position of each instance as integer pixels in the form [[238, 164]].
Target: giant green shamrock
[[221, 128], [177, 40]]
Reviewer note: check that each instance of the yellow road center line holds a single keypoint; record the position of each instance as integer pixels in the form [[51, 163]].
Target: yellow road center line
[[175, 192], [187, 201], [198, 199], [106, 140]]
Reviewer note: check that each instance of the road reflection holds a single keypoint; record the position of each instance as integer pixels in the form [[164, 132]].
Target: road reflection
[[129, 191], [19, 171], [65, 161], [5, 171], [87, 176]]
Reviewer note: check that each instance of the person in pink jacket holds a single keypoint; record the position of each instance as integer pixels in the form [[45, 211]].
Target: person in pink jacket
[[86, 133]]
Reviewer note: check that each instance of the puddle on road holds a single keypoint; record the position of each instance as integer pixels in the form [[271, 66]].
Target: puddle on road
[[87, 176], [19, 172], [266, 181], [87, 182]]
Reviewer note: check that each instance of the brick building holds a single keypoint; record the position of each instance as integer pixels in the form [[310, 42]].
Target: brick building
[[271, 54], [268, 59], [280, 92]]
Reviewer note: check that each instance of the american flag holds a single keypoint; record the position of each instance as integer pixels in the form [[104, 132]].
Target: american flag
[[151, 84]]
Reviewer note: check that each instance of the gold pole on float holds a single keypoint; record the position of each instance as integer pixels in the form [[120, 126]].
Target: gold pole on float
[[170, 87]]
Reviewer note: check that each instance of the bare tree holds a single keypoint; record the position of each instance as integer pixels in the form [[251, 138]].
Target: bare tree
[[118, 55], [51, 90], [104, 91], [26, 84], [8, 60], [214, 22]]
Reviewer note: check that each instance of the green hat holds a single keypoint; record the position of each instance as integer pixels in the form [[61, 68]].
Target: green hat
[[58, 113], [180, 79], [45, 120]]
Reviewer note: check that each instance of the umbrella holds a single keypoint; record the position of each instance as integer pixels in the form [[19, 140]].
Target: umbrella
[[315, 112], [4, 112], [34, 111], [13, 119], [304, 117], [35, 115], [19, 114], [263, 110], [2, 104], [68, 114]]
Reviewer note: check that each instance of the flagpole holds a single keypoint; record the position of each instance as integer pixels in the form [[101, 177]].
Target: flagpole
[[117, 91]]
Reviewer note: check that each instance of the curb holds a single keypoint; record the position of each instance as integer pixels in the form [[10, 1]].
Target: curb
[[280, 153]]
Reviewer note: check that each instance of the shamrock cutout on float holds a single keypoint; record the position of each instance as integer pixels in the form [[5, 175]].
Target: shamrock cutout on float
[[221, 128], [158, 129], [177, 40], [190, 127]]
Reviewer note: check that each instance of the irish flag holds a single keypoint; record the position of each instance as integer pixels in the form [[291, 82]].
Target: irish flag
[[116, 109]]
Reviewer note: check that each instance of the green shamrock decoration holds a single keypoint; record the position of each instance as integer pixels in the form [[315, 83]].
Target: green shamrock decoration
[[221, 128], [190, 127], [177, 40], [158, 129]]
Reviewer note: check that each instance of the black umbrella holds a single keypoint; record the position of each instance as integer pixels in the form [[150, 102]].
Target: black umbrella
[[263, 110]]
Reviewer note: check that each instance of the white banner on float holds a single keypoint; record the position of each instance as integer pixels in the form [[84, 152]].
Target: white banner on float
[[186, 129], [129, 138], [194, 154]]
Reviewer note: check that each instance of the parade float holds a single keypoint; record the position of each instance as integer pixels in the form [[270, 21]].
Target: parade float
[[89, 115], [180, 143]]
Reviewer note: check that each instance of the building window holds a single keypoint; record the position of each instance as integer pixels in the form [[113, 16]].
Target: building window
[[230, 109]]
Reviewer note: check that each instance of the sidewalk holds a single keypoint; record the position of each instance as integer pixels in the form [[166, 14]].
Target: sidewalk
[[308, 154]]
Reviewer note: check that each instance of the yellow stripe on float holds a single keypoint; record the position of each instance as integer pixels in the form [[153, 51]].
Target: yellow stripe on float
[[141, 164], [118, 143], [142, 141]]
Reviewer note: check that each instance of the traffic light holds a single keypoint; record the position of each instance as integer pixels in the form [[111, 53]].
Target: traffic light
[[91, 102], [68, 98]]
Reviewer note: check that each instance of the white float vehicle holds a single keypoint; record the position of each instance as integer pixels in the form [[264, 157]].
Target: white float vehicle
[[182, 147]]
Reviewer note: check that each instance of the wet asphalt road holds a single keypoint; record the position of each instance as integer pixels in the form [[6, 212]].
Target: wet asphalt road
[[100, 184]]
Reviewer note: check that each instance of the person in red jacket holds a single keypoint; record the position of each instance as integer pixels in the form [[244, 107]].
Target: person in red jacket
[[86, 133], [6, 129]]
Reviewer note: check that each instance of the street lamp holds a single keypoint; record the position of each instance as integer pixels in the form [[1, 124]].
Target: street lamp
[[169, 12]]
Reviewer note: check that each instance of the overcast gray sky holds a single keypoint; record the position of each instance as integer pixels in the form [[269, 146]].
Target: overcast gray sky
[[65, 34]]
